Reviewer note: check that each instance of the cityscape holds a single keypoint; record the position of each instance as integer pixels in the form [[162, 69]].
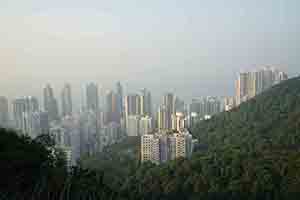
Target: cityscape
[[164, 130], [150, 100]]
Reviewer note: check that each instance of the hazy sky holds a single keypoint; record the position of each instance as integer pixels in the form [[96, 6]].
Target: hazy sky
[[192, 47]]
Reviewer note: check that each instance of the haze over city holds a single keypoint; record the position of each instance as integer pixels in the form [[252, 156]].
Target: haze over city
[[152, 100], [192, 48]]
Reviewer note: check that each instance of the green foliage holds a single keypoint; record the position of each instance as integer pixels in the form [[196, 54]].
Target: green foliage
[[21, 160], [35, 169], [270, 120], [117, 161], [252, 153]]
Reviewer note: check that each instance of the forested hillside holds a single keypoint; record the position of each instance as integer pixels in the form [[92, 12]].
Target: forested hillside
[[253, 152], [269, 121]]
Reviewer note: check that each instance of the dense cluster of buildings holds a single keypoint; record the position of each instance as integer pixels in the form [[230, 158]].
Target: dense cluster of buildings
[[107, 118], [250, 84], [166, 145]]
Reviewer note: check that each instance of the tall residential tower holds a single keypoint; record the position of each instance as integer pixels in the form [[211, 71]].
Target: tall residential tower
[[66, 100], [50, 103]]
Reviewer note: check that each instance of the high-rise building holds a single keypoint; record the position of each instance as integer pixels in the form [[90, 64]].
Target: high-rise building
[[37, 123], [114, 132], [146, 147], [169, 102], [59, 134], [179, 105], [92, 98], [192, 119], [22, 110], [132, 105], [113, 112], [178, 121], [28, 118], [71, 126], [43, 120], [88, 132], [108, 135], [145, 102], [145, 125], [249, 84], [162, 118], [68, 156], [163, 146], [133, 123], [184, 144], [119, 97], [166, 110], [205, 106], [4, 116], [246, 86], [50, 103], [229, 103], [66, 100], [19, 107]]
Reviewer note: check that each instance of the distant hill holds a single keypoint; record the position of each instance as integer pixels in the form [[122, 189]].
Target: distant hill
[[270, 120]]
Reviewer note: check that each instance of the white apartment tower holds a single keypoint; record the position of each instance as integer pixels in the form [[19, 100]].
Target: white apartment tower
[[164, 146]]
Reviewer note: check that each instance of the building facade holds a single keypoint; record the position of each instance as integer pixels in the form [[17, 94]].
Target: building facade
[[91, 97], [164, 146], [50, 103], [145, 125], [66, 101], [250, 84], [4, 114]]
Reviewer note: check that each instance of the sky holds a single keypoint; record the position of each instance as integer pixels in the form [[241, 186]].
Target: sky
[[191, 48]]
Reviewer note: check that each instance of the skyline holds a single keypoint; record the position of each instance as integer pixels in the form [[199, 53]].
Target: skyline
[[94, 98], [201, 45]]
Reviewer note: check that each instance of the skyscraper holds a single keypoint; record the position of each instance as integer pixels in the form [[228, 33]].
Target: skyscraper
[[145, 125], [249, 84], [162, 116], [66, 100], [132, 105], [92, 98], [3, 112], [50, 103], [23, 110], [145, 102], [179, 105], [204, 106], [178, 121], [165, 112], [119, 96], [113, 113], [19, 106], [133, 125], [37, 123]]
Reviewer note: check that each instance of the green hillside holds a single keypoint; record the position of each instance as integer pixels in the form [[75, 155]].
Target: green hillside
[[252, 153], [270, 120]]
